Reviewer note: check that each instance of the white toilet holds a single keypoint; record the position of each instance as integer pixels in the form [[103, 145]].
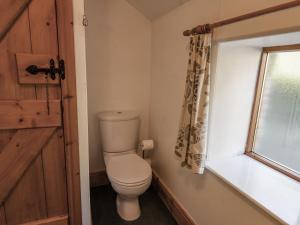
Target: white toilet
[[129, 174]]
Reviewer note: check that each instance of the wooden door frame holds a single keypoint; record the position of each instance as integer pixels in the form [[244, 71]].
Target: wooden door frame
[[69, 100]]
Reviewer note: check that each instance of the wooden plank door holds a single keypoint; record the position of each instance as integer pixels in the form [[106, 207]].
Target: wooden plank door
[[39, 172]]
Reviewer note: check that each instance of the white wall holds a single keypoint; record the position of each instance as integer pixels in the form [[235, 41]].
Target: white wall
[[232, 94], [119, 52], [206, 198], [118, 42], [80, 57]]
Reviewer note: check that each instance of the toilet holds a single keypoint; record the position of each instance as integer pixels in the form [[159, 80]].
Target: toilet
[[129, 174]]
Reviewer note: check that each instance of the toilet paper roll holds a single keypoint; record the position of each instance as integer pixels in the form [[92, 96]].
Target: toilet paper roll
[[147, 145]]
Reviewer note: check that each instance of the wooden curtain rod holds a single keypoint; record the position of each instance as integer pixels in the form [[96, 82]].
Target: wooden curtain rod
[[206, 28]]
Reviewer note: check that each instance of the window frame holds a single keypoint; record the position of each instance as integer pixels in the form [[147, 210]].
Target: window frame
[[256, 110]]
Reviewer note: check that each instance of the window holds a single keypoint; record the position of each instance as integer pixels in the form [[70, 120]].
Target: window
[[274, 134]]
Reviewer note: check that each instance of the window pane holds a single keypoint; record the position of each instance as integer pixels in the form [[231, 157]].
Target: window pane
[[278, 129]]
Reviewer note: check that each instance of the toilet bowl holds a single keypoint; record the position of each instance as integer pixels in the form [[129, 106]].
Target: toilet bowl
[[130, 176]]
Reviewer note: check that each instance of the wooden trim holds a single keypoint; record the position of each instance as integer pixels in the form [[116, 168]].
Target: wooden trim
[[10, 13], [43, 61], [282, 48], [199, 29], [286, 171], [98, 179], [177, 211], [57, 220], [69, 102], [256, 102]]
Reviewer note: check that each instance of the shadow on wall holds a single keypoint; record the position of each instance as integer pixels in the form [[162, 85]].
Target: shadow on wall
[[189, 178], [118, 66], [96, 158], [96, 52]]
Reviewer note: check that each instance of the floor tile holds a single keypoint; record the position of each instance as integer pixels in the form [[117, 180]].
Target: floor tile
[[153, 211]]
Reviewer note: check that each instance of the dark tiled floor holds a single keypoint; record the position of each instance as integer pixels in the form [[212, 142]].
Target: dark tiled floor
[[104, 209]]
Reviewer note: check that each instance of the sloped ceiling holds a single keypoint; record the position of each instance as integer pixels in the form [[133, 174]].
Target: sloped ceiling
[[153, 9]]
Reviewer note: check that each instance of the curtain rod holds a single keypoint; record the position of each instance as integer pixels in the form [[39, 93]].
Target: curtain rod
[[206, 28]]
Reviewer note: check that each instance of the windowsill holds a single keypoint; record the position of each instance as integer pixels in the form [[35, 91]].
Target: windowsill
[[276, 193]]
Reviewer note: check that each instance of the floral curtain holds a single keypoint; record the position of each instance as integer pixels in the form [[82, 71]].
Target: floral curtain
[[192, 136]]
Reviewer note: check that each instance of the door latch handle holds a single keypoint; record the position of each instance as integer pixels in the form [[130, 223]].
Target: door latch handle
[[52, 71]]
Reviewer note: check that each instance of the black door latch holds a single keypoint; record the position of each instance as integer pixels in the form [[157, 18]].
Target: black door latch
[[34, 70]]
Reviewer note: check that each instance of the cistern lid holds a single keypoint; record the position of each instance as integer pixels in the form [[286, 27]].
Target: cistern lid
[[118, 115]]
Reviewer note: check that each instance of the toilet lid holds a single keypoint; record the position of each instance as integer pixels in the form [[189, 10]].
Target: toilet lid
[[128, 169]]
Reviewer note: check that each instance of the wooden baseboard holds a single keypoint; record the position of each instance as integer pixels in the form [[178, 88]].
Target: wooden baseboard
[[98, 179], [177, 211]]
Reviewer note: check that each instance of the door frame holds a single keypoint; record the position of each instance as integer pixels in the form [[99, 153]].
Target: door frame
[[69, 101]]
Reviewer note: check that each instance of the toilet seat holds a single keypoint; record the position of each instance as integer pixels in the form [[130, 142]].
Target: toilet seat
[[128, 170]]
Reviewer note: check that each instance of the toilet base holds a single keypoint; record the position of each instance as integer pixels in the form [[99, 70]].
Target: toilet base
[[128, 208]]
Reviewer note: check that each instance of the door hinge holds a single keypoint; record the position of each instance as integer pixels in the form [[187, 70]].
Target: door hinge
[[85, 21]]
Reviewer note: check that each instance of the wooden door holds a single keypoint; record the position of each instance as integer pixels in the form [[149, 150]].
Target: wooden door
[[39, 172]]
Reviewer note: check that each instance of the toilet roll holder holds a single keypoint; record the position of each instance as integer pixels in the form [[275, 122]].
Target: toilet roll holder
[[142, 148]]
